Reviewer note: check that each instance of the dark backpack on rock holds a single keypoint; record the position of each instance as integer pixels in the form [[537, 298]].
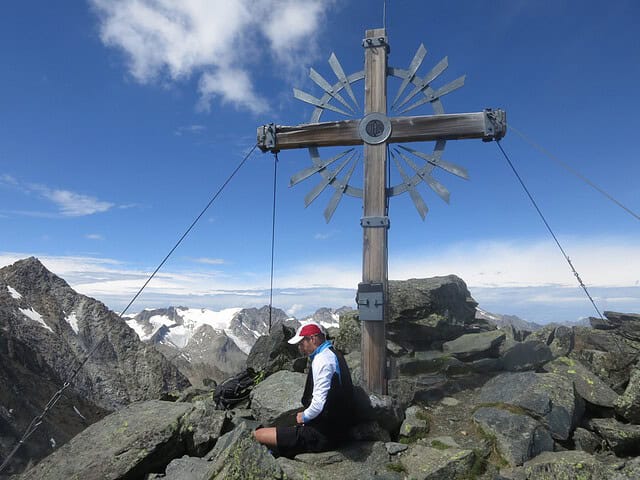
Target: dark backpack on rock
[[234, 389]]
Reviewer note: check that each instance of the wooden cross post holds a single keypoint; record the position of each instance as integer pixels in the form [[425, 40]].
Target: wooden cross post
[[375, 130], [374, 239]]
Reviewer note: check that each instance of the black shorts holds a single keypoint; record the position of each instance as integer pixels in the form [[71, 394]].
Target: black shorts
[[300, 439]]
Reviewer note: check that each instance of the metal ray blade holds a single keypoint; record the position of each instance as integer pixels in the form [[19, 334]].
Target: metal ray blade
[[337, 195], [316, 102], [424, 174], [340, 75], [413, 68], [430, 97], [323, 84], [411, 187], [307, 172], [317, 190], [434, 160], [423, 83]]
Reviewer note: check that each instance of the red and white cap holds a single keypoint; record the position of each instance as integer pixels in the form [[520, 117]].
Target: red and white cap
[[306, 330]]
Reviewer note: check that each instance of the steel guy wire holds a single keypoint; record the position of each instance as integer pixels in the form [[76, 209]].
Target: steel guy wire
[[535, 205], [573, 171], [35, 423]]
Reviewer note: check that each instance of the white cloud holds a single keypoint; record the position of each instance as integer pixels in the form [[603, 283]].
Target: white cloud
[[323, 236], [600, 261], [210, 261], [294, 22], [94, 236], [324, 275], [189, 129], [294, 309], [7, 179], [69, 204], [233, 86], [217, 40]]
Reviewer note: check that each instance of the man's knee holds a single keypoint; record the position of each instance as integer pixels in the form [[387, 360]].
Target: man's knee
[[266, 436]]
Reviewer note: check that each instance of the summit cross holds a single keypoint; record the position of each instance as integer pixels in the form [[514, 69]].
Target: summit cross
[[375, 131]]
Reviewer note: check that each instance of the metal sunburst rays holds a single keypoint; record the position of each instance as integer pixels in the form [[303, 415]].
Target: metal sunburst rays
[[414, 167]]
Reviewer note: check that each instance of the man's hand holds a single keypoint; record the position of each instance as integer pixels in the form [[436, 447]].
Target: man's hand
[[299, 418]]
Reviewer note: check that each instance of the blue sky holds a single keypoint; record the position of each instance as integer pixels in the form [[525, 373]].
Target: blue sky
[[119, 119]]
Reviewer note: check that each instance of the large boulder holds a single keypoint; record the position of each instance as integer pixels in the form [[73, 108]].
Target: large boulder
[[628, 404], [607, 353], [431, 361], [622, 438], [276, 400], [186, 468], [586, 440], [473, 346], [518, 437], [528, 355], [141, 438], [564, 465], [428, 310], [613, 368], [237, 455], [626, 324], [385, 410], [588, 385], [272, 352], [355, 460], [349, 336], [543, 395], [427, 463], [561, 342]]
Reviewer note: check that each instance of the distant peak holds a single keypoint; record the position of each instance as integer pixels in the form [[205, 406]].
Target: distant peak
[[29, 262], [29, 272], [31, 265]]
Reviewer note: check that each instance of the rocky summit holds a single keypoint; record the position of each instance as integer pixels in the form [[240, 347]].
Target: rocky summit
[[466, 400]]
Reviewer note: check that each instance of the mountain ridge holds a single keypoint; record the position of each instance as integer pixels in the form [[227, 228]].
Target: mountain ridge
[[47, 331]]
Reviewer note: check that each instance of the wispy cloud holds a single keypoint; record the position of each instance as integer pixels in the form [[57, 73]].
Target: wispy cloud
[[172, 40], [600, 261], [189, 129], [71, 204], [68, 203], [210, 261], [6, 179], [323, 236], [94, 236]]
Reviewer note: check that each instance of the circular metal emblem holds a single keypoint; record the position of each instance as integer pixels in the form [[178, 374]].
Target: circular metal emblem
[[375, 128]]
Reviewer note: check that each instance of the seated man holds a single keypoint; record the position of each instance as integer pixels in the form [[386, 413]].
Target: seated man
[[327, 398]]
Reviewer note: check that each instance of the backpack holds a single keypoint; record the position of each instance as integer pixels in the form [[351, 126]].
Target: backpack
[[234, 389]]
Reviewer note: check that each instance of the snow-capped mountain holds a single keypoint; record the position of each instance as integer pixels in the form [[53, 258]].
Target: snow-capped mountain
[[176, 326], [205, 343], [327, 317]]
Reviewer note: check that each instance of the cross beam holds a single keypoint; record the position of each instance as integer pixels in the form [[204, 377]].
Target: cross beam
[[488, 125], [375, 131]]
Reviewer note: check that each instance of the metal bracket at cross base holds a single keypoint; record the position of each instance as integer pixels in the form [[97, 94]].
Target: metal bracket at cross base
[[370, 300]]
